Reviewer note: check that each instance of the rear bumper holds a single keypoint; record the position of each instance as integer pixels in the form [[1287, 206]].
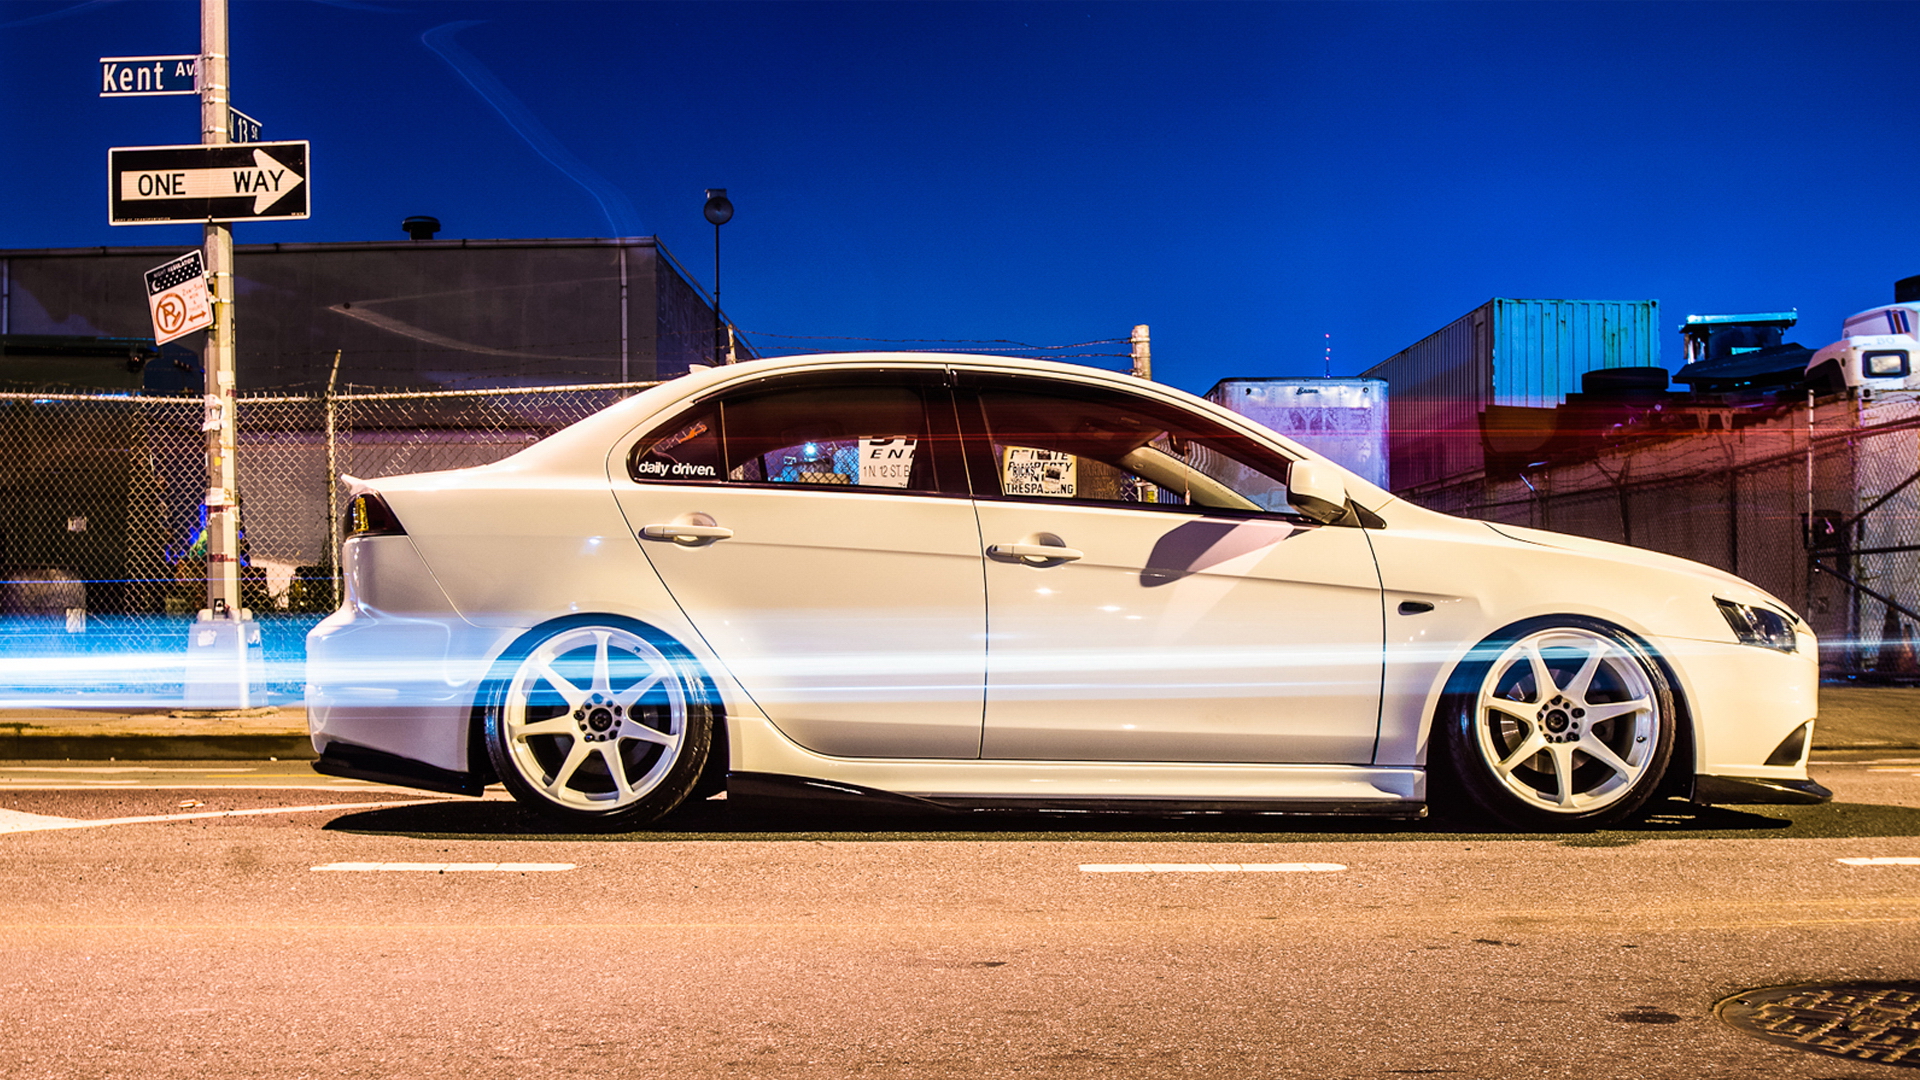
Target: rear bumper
[[402, 686]]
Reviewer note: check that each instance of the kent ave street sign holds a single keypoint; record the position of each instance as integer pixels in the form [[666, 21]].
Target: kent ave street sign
[[154, 185], [149, 76]]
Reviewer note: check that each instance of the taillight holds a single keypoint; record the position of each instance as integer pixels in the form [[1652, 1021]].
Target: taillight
[[369, 515]]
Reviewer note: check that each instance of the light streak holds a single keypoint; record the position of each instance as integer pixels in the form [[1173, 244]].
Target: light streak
[[619, 212]]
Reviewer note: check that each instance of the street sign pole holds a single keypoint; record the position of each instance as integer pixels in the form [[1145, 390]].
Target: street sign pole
[[223, 524], [224, 662]]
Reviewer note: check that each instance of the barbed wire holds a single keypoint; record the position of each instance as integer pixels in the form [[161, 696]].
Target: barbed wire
[[967, 346], [932, 341]]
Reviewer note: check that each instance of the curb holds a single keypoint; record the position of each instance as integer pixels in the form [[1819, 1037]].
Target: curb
[[21, 747]]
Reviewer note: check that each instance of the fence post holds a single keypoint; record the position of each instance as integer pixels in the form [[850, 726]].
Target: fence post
[[333, 487]]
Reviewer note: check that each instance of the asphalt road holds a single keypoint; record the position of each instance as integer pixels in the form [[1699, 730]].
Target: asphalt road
[[779, 943]]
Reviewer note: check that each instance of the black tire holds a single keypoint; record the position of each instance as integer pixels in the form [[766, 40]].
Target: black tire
[[1591, 750], [598, 723]]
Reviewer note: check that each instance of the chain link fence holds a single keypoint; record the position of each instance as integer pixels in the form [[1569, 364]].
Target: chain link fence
[[102, 542], [1818, 504]]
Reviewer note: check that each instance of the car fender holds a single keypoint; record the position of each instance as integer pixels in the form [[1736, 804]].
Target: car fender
[[1479, 578], [569, 539]]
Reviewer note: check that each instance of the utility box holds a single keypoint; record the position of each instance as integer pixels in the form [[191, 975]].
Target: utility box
[[1344, 420], [1528, 353], [225, 665]]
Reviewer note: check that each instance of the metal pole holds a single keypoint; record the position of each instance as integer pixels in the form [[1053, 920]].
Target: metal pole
[[1142, 355], [223, 514], [719, 350], [624, 377]]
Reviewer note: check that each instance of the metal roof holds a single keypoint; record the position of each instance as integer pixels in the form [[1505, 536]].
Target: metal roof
[[1784, 318]]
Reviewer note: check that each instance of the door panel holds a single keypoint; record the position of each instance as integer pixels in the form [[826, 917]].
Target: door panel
[[1179, 638], [854, 620], [1152, 596]]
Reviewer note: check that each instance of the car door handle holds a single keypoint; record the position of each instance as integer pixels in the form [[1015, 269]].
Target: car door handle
[[1035, 552], [686, 534]]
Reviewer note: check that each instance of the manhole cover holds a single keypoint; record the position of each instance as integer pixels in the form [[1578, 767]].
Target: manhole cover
[[1864, 1021]]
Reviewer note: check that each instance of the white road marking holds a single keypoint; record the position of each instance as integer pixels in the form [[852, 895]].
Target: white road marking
[[453, 867], [1883, 860], [13, 821], [21, 821], [18, 780], [1212, 868]]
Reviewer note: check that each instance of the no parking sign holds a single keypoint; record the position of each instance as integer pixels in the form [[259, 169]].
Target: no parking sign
[[177, 297]]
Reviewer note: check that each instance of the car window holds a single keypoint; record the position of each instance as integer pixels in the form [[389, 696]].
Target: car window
[[687, 449], [870, 437], [1110, 448]]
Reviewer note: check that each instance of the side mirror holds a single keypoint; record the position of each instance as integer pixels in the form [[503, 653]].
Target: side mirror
[[1316, 490]]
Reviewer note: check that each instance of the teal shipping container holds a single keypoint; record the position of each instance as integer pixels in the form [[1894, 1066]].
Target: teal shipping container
[[1505, 352]]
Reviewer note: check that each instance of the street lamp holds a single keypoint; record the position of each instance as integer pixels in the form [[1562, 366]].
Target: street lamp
[[719, 211]]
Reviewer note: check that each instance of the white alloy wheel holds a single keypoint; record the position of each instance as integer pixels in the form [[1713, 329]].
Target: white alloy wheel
[[1568, 724], [594, 722]]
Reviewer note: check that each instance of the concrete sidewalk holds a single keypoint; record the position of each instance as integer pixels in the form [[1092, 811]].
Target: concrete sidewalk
[[1851, 718], [166, 733]]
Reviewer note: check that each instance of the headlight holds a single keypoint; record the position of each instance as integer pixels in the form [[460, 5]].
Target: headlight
[[1885, 363], [1760, 626]]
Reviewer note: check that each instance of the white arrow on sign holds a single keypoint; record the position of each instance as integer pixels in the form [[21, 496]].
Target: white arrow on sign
[[268, 182]]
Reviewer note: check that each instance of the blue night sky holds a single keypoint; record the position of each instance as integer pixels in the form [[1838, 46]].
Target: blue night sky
[[1243, 177]]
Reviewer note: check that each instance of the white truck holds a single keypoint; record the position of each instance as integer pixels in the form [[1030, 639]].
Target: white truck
[[1877, 350]]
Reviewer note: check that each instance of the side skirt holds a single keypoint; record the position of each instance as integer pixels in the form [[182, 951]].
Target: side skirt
[[761, 750], [772, 787]]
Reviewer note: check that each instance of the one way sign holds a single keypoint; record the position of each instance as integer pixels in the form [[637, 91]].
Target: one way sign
[[154, 185]]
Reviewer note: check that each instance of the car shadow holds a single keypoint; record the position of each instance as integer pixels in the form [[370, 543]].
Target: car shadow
[[784, 820]]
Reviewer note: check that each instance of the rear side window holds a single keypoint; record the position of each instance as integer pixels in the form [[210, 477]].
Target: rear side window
[[687, 449], [865, 437]]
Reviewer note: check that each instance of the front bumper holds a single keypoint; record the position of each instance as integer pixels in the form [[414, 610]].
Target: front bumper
[[1748, 706]]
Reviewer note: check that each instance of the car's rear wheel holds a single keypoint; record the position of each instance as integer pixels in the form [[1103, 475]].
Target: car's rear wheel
[[598, 723], [1559, 723]]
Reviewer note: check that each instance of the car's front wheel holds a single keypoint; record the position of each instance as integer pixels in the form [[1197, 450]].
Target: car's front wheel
[[598, 724], [1559, 723]]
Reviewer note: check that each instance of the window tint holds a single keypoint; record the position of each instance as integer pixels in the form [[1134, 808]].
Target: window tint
[[1110, 448], [874, 437], [848, 436]]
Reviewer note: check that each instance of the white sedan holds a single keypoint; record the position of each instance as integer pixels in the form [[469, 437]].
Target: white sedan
[[966, 582]]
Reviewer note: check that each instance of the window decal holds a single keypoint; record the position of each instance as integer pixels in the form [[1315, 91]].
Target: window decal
[[886, 462], [691, 453], [1025, 470]]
